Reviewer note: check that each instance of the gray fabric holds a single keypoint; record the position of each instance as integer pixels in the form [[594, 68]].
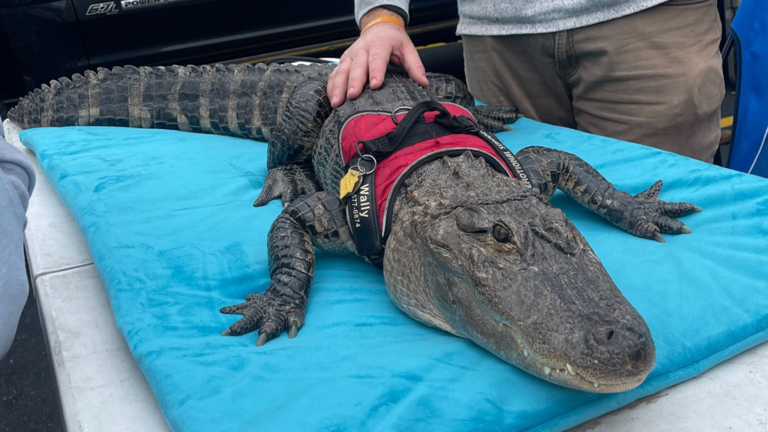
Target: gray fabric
[[17, 179], [495, 18]]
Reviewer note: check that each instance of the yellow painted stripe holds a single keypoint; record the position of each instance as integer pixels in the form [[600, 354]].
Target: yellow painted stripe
[[436, 44], [431, 45], [726, 122]]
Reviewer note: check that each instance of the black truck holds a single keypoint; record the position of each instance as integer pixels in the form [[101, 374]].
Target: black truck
[[42, 40]]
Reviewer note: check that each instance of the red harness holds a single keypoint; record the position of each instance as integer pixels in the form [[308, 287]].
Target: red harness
[[371, 203]]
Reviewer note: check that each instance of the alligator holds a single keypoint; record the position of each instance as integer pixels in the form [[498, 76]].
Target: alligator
[[470, 249]]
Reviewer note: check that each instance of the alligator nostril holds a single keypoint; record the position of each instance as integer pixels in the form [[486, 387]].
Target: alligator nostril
[[603, 336]]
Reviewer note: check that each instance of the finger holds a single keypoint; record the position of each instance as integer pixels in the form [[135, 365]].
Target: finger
[[307, 187], [270, 330], [647, 230], [295, 321], [289, 194], [238, 309], [504, 114], [378, 59], [677, 209], [358, 74], [413, 65], [306, 181], [247, 324], [507, 114], [670, 226], [270, 190], [494, 126], [652, 192], [340, 83]]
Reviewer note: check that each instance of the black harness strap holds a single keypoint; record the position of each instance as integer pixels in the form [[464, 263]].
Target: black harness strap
[[363, 218], [362, 213], [413, 129]]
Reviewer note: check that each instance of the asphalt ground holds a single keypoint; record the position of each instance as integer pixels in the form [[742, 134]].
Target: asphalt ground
[[29, 401], [28, 397]]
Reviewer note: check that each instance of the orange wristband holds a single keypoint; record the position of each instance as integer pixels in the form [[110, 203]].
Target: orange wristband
[[383, 20]]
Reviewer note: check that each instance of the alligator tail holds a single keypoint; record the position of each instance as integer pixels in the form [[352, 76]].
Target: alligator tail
[[234, 100]]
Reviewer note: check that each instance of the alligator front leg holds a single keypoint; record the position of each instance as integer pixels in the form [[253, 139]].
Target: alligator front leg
[[317, 219], [642, 215]]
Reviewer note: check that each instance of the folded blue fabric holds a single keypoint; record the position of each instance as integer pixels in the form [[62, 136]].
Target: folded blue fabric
[[168, 218]]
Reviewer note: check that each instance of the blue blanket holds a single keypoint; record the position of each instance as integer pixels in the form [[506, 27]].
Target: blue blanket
[[169, 221]]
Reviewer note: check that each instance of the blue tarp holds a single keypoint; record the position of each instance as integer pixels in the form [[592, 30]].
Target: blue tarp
[[168, 218], [750, 128]]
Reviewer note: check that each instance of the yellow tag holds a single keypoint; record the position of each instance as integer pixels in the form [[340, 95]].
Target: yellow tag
[[348, 183]]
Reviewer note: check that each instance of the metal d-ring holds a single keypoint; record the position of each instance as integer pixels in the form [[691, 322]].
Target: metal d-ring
[[397, 110], [362, 170]]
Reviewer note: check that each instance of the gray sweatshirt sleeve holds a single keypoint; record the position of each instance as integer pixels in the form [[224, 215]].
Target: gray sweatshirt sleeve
[[363, 6], [17, 179]]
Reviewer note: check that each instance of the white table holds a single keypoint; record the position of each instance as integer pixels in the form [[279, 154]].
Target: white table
[[100, 385], [102, 388]]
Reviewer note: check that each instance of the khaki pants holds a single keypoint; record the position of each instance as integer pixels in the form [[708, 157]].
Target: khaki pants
[[653, 77]]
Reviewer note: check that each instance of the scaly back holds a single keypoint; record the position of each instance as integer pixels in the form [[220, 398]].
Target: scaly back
[[235, 100]]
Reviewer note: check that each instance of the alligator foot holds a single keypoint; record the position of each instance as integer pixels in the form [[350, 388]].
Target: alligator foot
[[271, 313], [287, 182], [495, 118], [647, 216]]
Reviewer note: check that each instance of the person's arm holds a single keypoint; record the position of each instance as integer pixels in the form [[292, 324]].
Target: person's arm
[[362, 7], [17, 179], [378, 45]]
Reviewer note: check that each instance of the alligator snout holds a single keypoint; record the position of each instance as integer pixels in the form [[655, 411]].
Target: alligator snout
[[616, 356]]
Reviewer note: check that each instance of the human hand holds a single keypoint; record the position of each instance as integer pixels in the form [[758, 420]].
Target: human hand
[[368, 58]]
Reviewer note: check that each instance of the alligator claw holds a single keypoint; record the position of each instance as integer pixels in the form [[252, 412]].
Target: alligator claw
[[226, 332], [293, 332], [686, 230], [262, 339], [658, 237]]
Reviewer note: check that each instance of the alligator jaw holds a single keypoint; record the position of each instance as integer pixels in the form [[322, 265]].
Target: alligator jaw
[[475, 320], [566, 375]]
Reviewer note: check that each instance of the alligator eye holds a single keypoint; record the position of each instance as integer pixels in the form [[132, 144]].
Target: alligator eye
[[501, 234]]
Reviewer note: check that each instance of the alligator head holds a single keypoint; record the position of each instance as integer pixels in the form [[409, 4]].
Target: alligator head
[[497, 264]]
